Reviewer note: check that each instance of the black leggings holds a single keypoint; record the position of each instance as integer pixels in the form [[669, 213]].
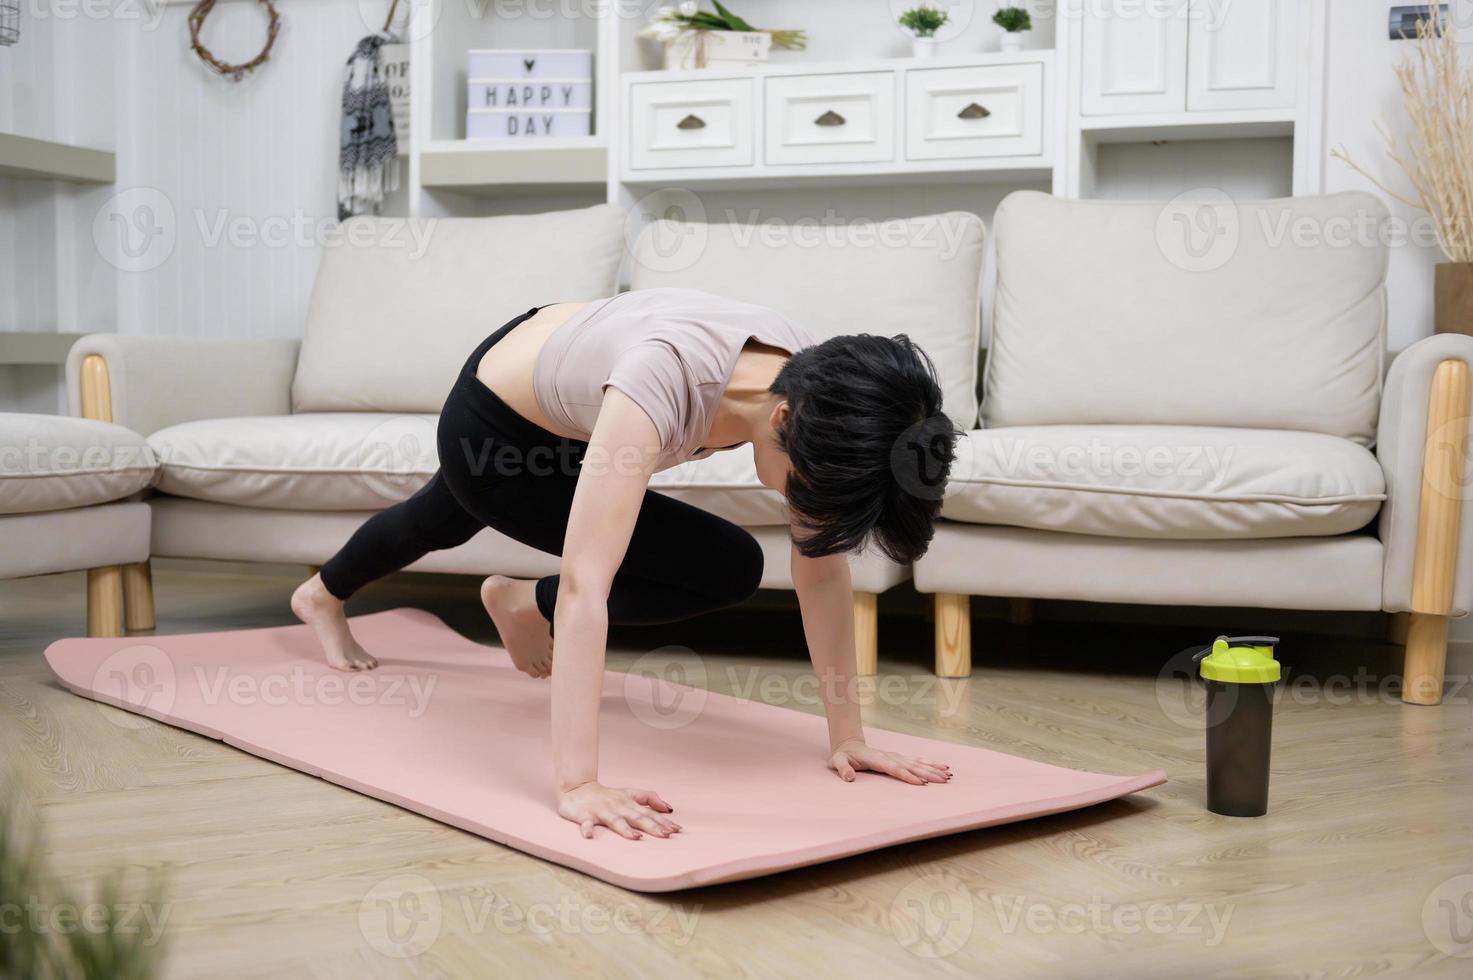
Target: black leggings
[[501, 471]]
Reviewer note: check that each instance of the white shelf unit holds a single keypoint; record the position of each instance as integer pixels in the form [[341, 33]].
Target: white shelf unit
[[1235, 105], [1246, 77]]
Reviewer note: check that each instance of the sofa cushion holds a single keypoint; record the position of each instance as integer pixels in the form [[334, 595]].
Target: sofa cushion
[[1268, 315], [53, 462], [917, 276], [400, 304], [1164, 481], [336, 461], [314, 461]]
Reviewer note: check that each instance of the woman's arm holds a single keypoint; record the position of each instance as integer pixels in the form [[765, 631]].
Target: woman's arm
[[622, 453], [826, 599]]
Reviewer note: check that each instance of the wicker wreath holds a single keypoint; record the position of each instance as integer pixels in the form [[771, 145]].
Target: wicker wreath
[[236, 72]]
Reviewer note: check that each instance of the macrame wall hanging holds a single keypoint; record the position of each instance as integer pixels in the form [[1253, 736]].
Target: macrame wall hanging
[[234, 72]]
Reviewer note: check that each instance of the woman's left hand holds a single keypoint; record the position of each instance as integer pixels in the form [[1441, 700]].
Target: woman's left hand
[[856, 755]]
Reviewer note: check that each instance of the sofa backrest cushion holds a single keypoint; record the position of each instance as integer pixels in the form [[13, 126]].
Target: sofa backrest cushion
[[400, 304], [1266, 315], [916, 276]]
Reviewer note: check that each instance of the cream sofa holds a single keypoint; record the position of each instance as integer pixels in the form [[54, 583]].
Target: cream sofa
[[63, 507], [274, 450], [1189, 405]]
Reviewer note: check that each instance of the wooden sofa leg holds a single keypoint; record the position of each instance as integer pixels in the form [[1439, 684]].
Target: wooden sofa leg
[[105, 601], [953, 635], [138, 596], [867, 632], [1020, 612], [1426, 659], [1439, 520]]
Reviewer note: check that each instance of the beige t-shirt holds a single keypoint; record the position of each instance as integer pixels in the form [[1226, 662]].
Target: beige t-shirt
[[671, 351]]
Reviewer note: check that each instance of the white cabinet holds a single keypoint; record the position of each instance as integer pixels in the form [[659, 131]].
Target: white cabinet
[[1242, 55], [1134, 56], [853, 122], [844, 117], [1173, 56], [691, 123], [981, 111]]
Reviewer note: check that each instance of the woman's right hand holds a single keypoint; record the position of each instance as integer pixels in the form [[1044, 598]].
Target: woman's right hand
[[624, 811]]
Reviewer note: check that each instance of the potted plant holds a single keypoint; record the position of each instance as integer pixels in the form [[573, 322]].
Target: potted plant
[[1014, 21], [1437, 158], [695, 38], [923, 22]]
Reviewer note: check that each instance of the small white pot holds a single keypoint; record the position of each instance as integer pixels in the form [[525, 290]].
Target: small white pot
[[1012, 42], [924, 47]]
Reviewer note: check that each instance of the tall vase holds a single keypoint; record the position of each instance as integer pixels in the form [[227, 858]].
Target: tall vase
[[1453, 298]]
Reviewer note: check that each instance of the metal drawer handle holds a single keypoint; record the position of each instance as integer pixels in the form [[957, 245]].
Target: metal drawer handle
[[974, 111], [691, 121], [830, 118]]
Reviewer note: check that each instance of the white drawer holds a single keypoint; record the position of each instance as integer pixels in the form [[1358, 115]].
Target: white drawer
[[982, 111], [841, 118], [706, 123]]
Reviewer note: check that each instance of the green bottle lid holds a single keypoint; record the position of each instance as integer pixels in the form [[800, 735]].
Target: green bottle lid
[[1242, 660]]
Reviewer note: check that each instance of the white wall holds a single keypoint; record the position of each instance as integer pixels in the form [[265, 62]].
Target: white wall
[[1361, 92], [248, 169]]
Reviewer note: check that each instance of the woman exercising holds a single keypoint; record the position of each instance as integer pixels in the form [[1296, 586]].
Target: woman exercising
[[550, 436]]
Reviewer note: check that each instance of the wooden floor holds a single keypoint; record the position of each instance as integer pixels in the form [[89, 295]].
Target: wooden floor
[[274, 874]]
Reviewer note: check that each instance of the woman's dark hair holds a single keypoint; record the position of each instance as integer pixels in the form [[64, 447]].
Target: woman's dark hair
[[868, 444]]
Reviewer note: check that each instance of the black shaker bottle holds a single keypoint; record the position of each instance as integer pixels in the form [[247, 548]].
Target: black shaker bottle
[[1241, 674]]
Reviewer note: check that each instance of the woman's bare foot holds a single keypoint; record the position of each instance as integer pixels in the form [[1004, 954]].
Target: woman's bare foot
[[512, 605], [323, 611]]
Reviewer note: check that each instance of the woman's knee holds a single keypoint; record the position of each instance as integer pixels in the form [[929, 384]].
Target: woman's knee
[[744, 563]]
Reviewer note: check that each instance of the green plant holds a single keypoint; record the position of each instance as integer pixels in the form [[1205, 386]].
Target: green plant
[[51, 933], [1014, 20], [669, 22], [925, 20]]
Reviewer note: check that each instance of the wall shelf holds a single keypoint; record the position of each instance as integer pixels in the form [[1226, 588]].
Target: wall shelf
[[497, 167], [35, 347], [33, 159], [1187, 126]]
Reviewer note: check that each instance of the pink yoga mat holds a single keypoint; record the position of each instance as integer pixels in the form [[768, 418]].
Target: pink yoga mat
[[450, 729]]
